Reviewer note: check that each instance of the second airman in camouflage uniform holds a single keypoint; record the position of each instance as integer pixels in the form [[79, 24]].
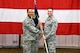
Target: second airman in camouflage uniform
[[50, 31]]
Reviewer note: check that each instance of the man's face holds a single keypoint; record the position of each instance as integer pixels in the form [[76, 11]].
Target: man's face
[[50, 12], [30, 12]]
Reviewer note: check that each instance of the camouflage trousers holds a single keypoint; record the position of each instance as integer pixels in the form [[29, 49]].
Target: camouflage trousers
[[51, 46], [30, 46]]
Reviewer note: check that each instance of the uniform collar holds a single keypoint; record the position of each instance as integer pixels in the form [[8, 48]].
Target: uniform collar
[[49, 18], [29, 17]]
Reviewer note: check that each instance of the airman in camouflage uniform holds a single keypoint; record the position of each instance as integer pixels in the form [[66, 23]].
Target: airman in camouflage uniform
[[50, 31], [30, 34]]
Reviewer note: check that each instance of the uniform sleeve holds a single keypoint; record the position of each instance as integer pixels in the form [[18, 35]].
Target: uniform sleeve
[[30, 27], [53, 29], [40, 34]]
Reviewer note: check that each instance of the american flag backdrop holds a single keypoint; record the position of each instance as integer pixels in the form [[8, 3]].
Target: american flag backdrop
[[67, 12]]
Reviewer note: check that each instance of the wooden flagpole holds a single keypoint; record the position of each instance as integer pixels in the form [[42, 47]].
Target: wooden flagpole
[[42, 31]]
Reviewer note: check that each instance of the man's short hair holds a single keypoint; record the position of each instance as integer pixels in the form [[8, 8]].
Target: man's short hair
[[50, 8], [28, 9]]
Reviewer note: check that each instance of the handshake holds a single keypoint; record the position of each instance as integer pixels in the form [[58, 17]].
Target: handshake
[[44, 37]]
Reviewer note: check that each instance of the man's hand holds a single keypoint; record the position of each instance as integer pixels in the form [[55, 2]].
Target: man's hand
[[42, 32], [44, 37]]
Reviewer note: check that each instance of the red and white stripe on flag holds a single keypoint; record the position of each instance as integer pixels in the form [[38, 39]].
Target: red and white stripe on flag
[[12, 14]]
